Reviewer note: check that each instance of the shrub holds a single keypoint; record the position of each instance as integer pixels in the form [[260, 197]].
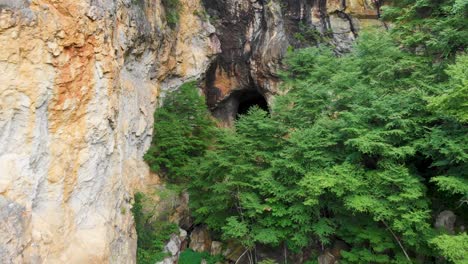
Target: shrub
[[182, 130], [152, 235], [189, 256]]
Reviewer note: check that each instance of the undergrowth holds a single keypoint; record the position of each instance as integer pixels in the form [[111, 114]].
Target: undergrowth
[[152, 235], [189, 256]]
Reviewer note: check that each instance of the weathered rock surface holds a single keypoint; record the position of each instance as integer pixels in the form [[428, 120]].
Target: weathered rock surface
[[234, 251], [79, 81], [174, 247], [181, 214], [216, 248], [446, 221], [333, 255], [13, 229], [255, 35], [200, 240]]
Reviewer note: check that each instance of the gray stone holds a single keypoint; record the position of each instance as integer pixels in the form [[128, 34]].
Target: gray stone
[[446, 220], [95, 13], [173, 246], [216, 248], [13, 225], [182, 234], [200, 240], [14, 4], [327, 258]]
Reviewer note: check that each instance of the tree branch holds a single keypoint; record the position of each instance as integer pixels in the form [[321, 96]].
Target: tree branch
[[398, 241]]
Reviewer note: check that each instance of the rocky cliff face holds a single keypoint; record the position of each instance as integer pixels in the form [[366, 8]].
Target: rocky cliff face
[[79, 81], [256, 34]]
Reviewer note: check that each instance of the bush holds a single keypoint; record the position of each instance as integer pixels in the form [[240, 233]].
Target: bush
[[152, 235], [340, 157], [182, 130], [189, 256]]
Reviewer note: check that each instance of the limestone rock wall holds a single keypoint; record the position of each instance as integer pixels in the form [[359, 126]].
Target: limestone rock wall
[[79, 82]]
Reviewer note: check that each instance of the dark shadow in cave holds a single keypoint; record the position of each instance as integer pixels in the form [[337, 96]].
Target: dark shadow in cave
[[248, 99]]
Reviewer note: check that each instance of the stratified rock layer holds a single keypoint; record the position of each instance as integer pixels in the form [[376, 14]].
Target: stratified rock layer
[[79, 82]]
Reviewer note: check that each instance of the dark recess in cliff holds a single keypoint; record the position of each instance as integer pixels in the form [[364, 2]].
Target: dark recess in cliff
[[249, 99], [238, 103], [254, 36]]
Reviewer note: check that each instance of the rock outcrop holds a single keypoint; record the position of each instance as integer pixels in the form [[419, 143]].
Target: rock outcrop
[[173, 248], [445, 221], [79, 82], [255, 35], [200, 240]]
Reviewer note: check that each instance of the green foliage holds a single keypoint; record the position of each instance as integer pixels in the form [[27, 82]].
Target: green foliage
[[308, 34], [172, 8], [225, 188], [365, 148], [453, 185], [453, 248], [152, 235], [337, 157], [182, 131], [437, 28], [453, 99], [267, 261], [189, 256]]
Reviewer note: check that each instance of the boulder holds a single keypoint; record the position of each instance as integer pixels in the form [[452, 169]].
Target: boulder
[[173, 246], [333, 255], [327, 258], [233, 251], [446, 221], [216, 248], [200, 240]]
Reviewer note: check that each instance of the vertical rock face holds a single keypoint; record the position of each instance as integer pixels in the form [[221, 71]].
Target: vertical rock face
[[255, 35], [79, 81]]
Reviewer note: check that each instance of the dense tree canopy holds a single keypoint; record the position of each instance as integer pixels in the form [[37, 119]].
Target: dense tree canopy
[[434, 27], [367, 148], [351, 152]]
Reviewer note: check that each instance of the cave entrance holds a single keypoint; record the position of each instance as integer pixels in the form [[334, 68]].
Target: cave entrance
[[251, 98], [238, 103]]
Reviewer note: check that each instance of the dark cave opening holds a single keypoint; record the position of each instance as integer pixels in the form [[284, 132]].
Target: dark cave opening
[[251, 98]]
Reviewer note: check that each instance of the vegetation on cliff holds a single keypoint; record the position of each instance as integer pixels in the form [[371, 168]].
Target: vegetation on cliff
[[182, 131], [366, 148], [152, 234], [358, 150], [189, 256], [172, 9], [431, 28]]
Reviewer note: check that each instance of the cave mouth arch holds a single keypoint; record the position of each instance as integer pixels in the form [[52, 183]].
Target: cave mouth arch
[[236, 104], [248, 99]]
